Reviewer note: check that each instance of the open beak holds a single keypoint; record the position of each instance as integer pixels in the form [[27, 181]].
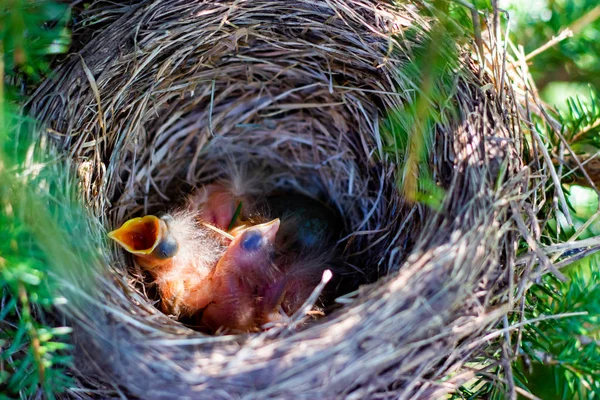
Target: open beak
[[148, 238]]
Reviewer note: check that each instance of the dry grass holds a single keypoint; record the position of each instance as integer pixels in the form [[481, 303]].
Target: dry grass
[[172, 93]]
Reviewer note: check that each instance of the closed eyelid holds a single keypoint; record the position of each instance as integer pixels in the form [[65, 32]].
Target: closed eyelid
[[252, 240]]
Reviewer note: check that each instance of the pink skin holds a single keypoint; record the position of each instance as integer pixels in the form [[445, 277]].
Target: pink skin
[[248, 290], [217, 205], [239, 301]]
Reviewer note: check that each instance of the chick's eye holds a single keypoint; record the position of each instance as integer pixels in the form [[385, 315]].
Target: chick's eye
[[251, 241], [167, 248]]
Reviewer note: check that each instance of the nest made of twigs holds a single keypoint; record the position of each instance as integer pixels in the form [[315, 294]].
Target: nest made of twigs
[[170, 92]]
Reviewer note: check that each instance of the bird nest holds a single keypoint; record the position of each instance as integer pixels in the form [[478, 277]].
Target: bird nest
[[169, 95]]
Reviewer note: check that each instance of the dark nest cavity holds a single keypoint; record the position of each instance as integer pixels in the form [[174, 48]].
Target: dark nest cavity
[[173, 94]]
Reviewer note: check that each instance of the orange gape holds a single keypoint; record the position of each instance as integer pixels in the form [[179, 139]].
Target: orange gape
[[149, 239]]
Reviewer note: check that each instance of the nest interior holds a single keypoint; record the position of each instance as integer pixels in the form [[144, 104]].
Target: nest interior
[[174, 94]]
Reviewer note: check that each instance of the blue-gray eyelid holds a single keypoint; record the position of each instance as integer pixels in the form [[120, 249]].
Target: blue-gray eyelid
[[167, 248], [166, 217], [252, 241]]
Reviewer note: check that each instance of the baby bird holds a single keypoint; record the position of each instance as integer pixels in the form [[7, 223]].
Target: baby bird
[[175, 251], [306, 246], [243, 283], [258, 269]]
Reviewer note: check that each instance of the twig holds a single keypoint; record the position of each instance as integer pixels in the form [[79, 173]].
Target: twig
[[583, 163], [93, 85], [575, 158], [555, 179], [577, 257], [309, 303], [583, 227], [585, 130], [591, 16], [572, 245], [567, 33], [499, 332], [219, 231], [510, 380], [533, 244], [525, 393]]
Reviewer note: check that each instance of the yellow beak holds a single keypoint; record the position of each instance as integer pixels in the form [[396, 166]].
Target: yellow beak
[[149, 238]]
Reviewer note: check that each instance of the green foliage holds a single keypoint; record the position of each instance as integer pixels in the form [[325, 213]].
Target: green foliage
[[43, 238], [579, 119], [581, 123], [558, 357], [33, 350], [564, 351], [30, 31], [409, 132], [572, 60]]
